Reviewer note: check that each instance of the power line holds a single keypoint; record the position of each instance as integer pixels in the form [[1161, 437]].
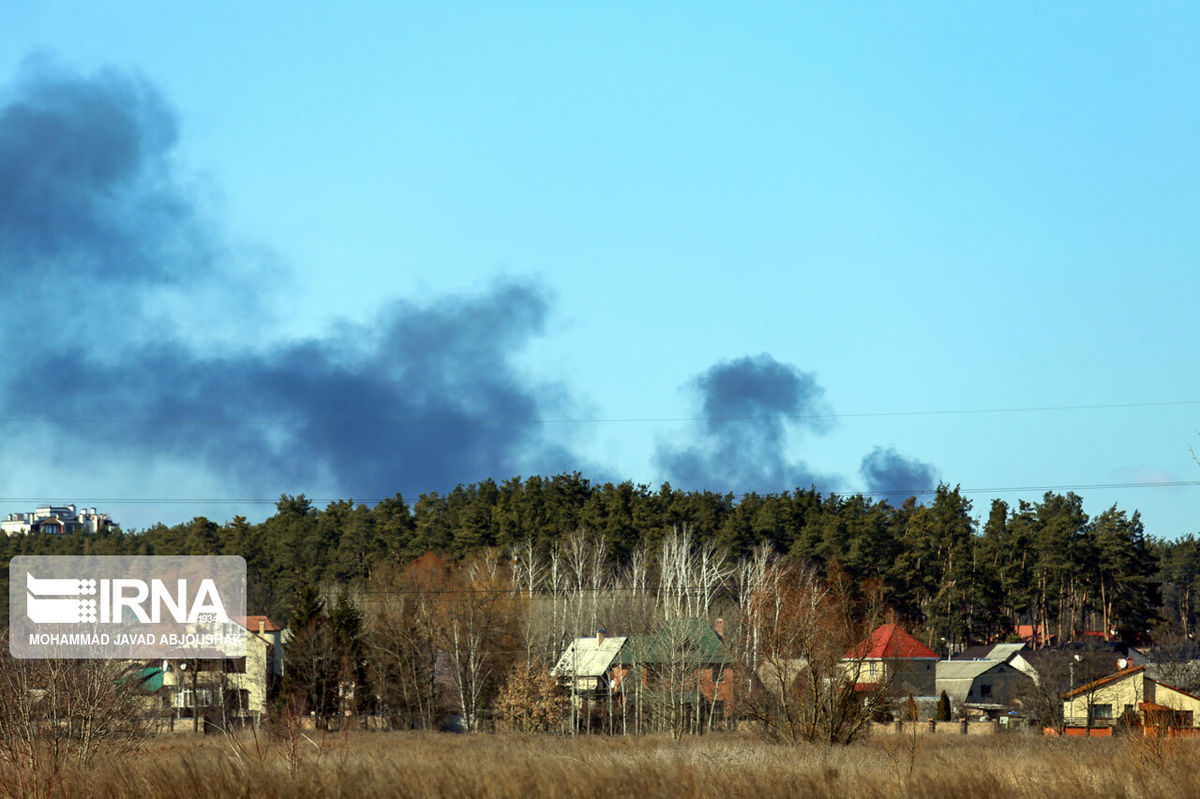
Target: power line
[[358, 420], [374, 501], [522, 591], [1064, 487]]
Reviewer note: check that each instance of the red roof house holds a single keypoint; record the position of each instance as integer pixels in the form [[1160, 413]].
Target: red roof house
[[891, 656], [258, 624], [890, 642]]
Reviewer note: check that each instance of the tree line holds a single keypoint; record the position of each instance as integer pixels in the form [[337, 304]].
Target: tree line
[[1042, 563]]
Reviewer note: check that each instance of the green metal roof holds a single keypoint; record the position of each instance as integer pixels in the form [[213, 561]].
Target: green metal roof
[[679, 641], [150, 679]]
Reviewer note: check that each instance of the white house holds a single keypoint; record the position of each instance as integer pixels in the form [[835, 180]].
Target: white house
[[55, 520], [586, 663]]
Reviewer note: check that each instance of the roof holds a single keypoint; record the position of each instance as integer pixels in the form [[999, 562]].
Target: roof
[[890, 642], [588, 657], [967, 669], [251, 623], [955, 677], [1161, 684], [977, 652], [993, 652], [148, 680], [1005, 651], [1027, 632], [679, 641], [1093, 685]]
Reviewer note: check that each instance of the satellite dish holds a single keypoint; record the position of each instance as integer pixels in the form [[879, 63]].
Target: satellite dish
[[1122, 663]]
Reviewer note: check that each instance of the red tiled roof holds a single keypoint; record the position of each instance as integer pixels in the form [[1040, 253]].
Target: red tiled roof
[[890, 642], [251, 623], [1093, 685]]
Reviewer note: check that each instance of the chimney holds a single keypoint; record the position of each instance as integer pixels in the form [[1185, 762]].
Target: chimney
[[262, 627], [719, 629], [601, 634]]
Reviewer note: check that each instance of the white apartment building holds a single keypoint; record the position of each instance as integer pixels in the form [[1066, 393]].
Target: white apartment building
[[56, 520]]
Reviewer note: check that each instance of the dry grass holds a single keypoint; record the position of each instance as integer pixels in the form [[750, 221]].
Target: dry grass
[[440, 765]]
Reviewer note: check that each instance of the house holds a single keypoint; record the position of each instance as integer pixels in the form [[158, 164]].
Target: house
[[585, 666], [226, 691], [682, 675], [257, 677], [56, 520], [1012, 654], [979, 687], [890, 657], [1132, 694]]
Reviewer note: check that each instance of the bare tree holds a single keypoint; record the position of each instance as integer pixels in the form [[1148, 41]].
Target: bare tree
[[690, 575], [1062, 670], [55, 713], [403, 639], [808, 677], [751, 578], [477, 632], [528, 566]]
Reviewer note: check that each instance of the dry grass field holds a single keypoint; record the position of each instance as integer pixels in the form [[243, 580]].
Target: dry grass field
[[443, 765]]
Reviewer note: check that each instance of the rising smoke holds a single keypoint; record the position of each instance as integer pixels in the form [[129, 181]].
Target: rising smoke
[[891, 476], [748, 408], [109, 266], [96, 230]]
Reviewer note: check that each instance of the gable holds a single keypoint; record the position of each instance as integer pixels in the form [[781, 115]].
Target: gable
[[588, 657], [890, 642]]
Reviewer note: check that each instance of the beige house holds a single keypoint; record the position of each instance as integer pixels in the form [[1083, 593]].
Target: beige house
[[229, 690], [889, 657], [1131, 693]]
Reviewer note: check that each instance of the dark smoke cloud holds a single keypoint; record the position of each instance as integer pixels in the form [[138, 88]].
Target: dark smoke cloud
[[83, 178], [749, 405], [891, 476], [94, 227]]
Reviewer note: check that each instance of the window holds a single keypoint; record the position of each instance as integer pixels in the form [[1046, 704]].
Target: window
[[1102, 711], [186, 698], [985, 690]]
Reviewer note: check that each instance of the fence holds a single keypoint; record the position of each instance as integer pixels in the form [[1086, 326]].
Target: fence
[[936, 728]]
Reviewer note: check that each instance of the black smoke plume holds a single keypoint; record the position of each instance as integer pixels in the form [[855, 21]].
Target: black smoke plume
[[891, 476], [749, 405], [98, 234]]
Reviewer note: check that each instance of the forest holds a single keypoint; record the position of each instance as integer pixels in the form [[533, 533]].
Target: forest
[[462, 603], [1044, 562]]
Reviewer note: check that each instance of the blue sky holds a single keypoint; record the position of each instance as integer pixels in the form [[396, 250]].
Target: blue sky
[[586, 218]]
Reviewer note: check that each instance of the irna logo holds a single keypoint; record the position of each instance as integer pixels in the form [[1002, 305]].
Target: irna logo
[[127, 607], [58, 600]]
